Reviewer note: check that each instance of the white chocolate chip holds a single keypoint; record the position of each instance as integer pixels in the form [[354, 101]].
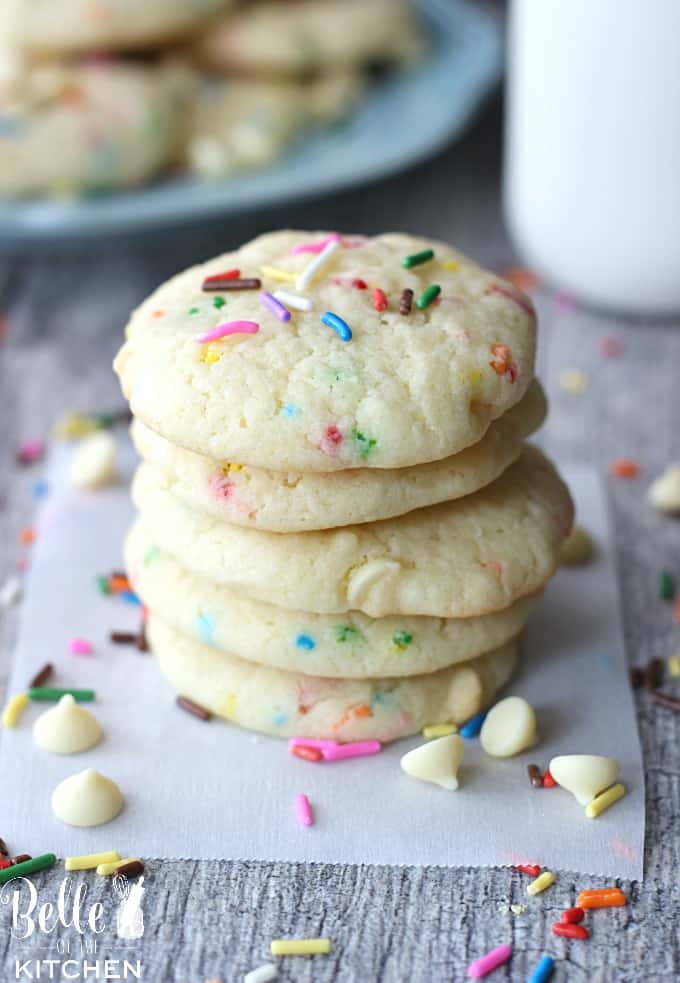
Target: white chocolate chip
[[577, 548], [509, 727], [436, 761], [87, 799], [664, 493], [94, 462], [584, 775], [365, 578], [66, 728]]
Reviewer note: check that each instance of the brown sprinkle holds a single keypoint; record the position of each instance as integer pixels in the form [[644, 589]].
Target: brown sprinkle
[[123, 637], [252, 283], [133, 869], [670, 702], [535, 776], [637, 677], [20, 858], [405, 301], [194, 708], [142, 643], [3, 848], [42, 676], [653, 673]]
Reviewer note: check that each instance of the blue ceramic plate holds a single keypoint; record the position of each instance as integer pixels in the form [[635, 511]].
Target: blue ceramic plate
[[404, 119]]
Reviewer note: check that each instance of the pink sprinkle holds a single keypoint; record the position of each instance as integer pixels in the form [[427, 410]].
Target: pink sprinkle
[[356, 749], [230, 327], [611, 346], [303, 810], [331, 440], [316, 247], [310, 742], [31, 451], [80, 646], [492, 960], [564, 301]]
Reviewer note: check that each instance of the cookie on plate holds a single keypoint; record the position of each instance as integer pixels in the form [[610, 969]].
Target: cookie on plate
[[70, 129], [351, 646], [418, 357], [468, 557], [288, 704], [297, 501]]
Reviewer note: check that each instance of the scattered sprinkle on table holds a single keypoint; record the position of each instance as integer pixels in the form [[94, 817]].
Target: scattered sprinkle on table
[[336, 323], [567, 931], [666, 701], [666, 586], [574, 381], [226, 329], [193, 708], [543, 970], [133, 868], [297, 301], [572, 915], [90, 861], [42, 675], [31, 451], [428, 296], [355, 749], [548, 780], [674, 665], [112, 867], [32, 866], [317, 265], [303, 810], [624, 467], [27, 536], [314, 742], [417, 259], [535, 776], [492, 960], [611, 346], [44, 694], [300, 947], [263, 974], [406, 301], [542, 882], [653, 674], [80, 646], [533, 870], [14, 709], [306, 753], [439, 730], [10, 592], [605, 800], [473, 726], [275, 306], [123, 637], [603, 897]]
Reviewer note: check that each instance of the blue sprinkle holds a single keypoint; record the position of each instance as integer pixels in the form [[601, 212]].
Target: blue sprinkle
[[473, 726], [290, 410], [341, 328], [130, 597], [305, 642], [206, 627], [10, 126], [40, 489], [279, 719], [543, 971]]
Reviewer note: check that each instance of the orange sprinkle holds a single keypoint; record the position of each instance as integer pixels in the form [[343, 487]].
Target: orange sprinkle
[[624, 467], [502, 363], [27, 535], [360, 710], [605, 897], [158, 314], [521, 278], [118, 585]]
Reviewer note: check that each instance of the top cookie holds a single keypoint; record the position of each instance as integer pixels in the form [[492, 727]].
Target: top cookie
[[409, 386]]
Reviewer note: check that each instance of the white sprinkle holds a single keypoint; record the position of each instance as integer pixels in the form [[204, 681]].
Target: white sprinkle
[[317, 264], [295, 301], [262, 974], [10, 592]]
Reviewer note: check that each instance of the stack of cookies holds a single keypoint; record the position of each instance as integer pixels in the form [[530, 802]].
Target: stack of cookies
[[341, 532]]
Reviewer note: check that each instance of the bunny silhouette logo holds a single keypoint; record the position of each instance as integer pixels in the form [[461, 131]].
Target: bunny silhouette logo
[[129, 916]]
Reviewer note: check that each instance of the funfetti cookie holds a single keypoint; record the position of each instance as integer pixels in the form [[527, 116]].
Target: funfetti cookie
[[299, 501], [70, 129], [460, 559], [288, 704], [350, 646], [321, 352], [59, 27], [311, 37]]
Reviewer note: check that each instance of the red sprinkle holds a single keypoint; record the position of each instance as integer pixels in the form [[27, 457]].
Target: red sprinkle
[[359, 283], [548, 780], [379, 300], [568, 931], [572, 916], [676, 611], [227, 275], [533, 870], [4, 862], [624, 467], [331, 440], [306, 753]]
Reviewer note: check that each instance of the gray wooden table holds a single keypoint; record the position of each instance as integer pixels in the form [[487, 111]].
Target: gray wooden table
[[215, 919]]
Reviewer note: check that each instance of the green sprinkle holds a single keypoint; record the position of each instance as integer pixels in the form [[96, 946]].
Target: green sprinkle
[[46, 693], [32, 866], [151, 554], [193, 310], [364, 444], [103, 420], [103, 584], [666, 586], [348, 633], [428, 295], [218, 302], [402, 639], [415, 259]]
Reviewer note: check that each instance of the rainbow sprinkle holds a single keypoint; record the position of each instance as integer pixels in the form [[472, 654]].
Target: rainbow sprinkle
[[275, 306], [228, 328], [341, 328]]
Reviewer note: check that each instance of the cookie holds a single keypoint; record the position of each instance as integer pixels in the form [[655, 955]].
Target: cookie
[[77, 129], [58, 27], [288, 704], [351, 646], [298, 501], [311, 37], [460, 559], [407, 387]]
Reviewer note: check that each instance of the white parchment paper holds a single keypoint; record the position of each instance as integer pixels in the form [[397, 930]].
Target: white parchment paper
[[212, 791]]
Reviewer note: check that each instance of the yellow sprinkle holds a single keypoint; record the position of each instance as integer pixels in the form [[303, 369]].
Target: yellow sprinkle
[[604, 800], [439, 730], [230, 466], [574, 381], [450, 264], [543, 881], [105, 869], [276, 274], [674, 665], [210, 354], [73, 426], [14, 709], [300, 947], [229, 706], [474, 375], [90, 860]]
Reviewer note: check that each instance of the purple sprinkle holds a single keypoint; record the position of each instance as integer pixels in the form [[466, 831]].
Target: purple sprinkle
[[275, 306]]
